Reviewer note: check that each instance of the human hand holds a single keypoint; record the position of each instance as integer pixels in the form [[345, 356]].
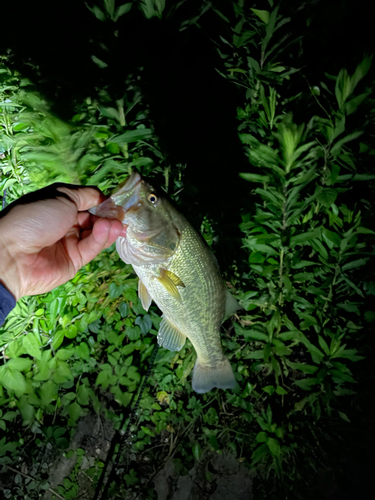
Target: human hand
[[48, 235]]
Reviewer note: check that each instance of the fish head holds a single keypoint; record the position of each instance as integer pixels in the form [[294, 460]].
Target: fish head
[[151, 234]]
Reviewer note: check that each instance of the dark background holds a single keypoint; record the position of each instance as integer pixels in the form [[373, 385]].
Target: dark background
[[192, 106]]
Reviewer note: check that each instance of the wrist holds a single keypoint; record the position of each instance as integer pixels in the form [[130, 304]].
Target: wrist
[[9, 275]]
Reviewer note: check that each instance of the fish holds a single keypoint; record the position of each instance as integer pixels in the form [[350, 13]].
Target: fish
[[178, 271]]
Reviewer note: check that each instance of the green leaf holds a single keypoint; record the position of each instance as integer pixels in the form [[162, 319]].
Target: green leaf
[[7, 183], [254, 334], [269, 389], [280, 390], [347, 353], [365, 230], [256, 258], [355, 177], [110, 113], [327, 197], [132, 136], [128, 361], [299, 239], [213, 442], [124, 309], [352, 105], [32, 345], [71, 332], [344, 416], [352, 285], [53, 310], [102, 378], [261, 437], [331, 238], [197, 451], [95, 326], [112, 148], [354, 264], [123, 9], [99, 62], [144, 322], [21, 364], [115, 291], [259, 453], [58, 338], [323, 344], [69, 396], [147, 431], [10, 415], [291, 335], [303, 367], [263, 15], [75, 411], [83, 395], [27, 410], [254, 177], [262, 248], [110, 7], [361, 71], [306, 383], [62, 373], [255, 355], [133, 333], [82, 350], [48, 392], [274, 446], [336, 149], [99, 14]]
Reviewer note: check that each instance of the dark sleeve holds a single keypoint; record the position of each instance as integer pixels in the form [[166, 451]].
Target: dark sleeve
[[7, 303]]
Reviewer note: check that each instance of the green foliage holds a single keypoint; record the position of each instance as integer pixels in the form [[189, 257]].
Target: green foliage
[[307, 248], [304, 287]]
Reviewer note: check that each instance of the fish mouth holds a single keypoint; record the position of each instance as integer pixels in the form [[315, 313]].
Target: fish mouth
[[123, 200]]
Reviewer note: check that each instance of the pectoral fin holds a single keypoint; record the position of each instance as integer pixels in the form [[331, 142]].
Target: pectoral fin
[[170, 337], [170, 282], [144, 296]]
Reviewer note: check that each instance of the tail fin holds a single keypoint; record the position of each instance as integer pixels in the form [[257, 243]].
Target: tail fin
[[205, 378]]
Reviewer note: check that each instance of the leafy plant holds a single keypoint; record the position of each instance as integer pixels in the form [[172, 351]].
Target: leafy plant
[[303, 275], [306, 245]]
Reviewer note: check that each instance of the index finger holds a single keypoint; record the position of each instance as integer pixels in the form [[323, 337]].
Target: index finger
[[84, 197]]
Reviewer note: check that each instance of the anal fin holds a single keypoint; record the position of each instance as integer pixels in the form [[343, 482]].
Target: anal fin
[[144, 296], [231, 304], [170, 337]]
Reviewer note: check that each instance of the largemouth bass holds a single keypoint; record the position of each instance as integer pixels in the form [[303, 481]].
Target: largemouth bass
[[178, 271]]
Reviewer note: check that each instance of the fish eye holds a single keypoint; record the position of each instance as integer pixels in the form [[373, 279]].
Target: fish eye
[[152, 198]]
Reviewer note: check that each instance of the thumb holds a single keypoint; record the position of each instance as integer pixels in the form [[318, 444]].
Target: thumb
[[103, 234]]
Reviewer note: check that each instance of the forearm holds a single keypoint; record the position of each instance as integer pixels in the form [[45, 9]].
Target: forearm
[[7, 303], [9, 273], [7, 295]]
